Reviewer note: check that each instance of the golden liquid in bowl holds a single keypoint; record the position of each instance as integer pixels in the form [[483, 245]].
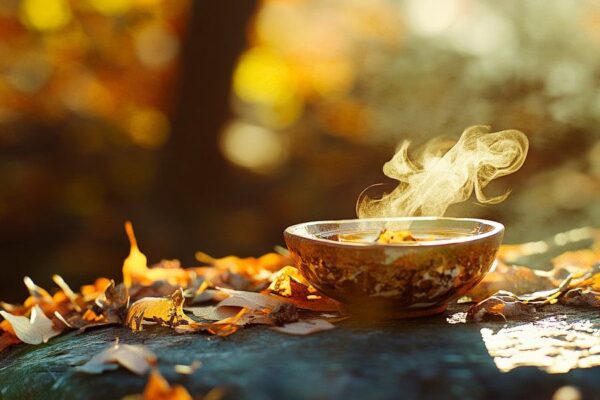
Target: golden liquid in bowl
[[371, 236]]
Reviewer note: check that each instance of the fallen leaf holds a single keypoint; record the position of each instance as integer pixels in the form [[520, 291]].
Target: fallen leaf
[[92, 291], [136, 358], [208, 295], [590, 279], [135, 265], [36, 291], [512, 278], [158, 388], [223, 315], [261, 308], [40, 297], [573, 262], [158, 310], [581, 297], [203, 312], [281, 282], [34, 330], [187, 369], [73, 298], [250, 300], [223, 327], [254, 269], [502, 304], [7, 340], [305, 327], [7, 335], [284, 313], [291, 287], [113, 303]]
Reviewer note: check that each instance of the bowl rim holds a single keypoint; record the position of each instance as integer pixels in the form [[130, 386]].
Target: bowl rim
[[497, 228]]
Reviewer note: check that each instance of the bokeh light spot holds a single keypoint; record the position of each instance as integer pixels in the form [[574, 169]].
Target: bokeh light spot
[[263, 77], [111, 7], [431, 17], [149, 128], [45, 15], [253, 147], [155, 46], [29, 73]]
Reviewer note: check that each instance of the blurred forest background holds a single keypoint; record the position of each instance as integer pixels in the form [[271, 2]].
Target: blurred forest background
[[215, 124]]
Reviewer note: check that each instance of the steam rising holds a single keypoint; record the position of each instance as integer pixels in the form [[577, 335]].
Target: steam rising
[[443, 175]]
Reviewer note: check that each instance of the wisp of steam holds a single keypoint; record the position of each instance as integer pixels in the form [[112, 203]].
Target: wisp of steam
[[442, 175]]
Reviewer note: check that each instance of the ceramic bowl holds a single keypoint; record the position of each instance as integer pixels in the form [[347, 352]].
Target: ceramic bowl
[[343, 260]]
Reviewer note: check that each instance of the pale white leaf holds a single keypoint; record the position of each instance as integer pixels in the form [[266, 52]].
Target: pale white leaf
[[34, 330], [250, 300], [136, 358], [305, 327]]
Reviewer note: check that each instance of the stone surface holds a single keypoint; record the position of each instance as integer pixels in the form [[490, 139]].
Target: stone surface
[[422, 358]]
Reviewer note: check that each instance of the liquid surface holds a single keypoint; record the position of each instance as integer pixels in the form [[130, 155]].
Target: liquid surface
[[374, 236]]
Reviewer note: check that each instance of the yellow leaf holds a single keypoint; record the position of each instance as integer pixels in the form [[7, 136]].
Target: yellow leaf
[[136, 264], [282, 281], [135, 267], [166, 311]]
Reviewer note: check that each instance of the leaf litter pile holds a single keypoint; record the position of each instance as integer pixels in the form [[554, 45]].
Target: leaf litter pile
[[225, 294]]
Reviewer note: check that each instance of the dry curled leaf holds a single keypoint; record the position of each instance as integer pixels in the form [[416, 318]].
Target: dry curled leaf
[[574, 262], [34, 330], [7, 335], [250, 300], [35, 291], [225, 314], [512, 278], [589, 279], [203, 312], [108, 308], [165, 311], [291, 286], [113, 303], [305, 327], [223, 327], [581, 297], [260, 309], [584, 290], [7, 340], [136, 358], [92, 291], [507, 304], [283, 280], [208, 295], [285, 313], [74, 299], [502, 304], [251, 268]]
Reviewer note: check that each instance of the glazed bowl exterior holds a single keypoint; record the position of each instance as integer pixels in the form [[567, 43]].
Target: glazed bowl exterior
[[407, 279]]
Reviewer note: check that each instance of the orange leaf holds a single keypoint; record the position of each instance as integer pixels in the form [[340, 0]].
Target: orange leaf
[[158, 388]]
